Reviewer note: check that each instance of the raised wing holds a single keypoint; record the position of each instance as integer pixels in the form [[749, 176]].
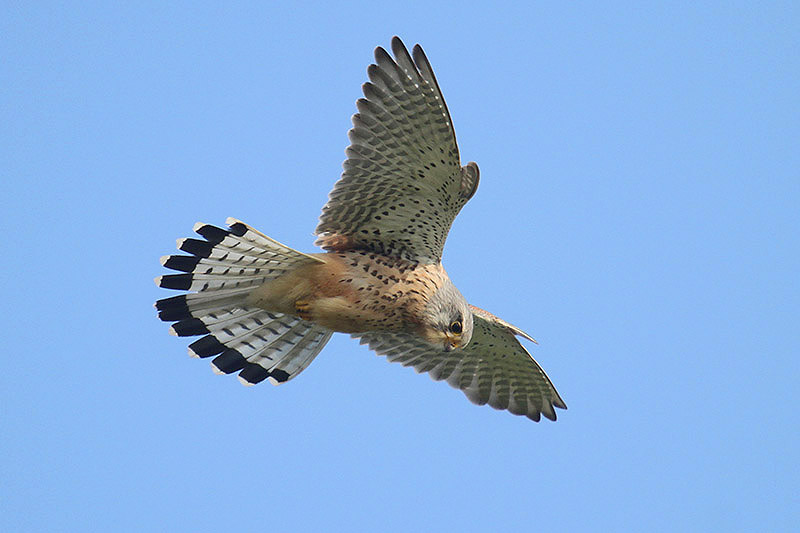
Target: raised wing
[[493, 368], [403, 183]]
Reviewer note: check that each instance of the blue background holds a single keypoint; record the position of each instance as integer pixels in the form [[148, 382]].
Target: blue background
[[638, 215]]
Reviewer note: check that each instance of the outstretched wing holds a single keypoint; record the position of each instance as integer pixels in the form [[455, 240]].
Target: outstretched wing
[[403, 183], [493, 368]]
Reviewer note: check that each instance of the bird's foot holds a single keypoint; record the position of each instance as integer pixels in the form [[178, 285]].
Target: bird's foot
[[303, 309]]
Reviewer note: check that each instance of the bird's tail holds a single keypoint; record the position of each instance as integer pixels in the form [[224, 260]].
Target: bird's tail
[[220, 272]]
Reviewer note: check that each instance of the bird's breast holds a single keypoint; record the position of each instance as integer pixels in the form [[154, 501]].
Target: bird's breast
[[359, 291]]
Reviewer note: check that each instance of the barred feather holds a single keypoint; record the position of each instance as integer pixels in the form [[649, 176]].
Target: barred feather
[[494, 368], [222, 270], [403, 183]]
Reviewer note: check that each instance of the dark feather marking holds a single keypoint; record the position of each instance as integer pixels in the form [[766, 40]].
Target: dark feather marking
[[229, 361], [207, 346], [182, 263], [189, 327], [179, 282], [254, 373], [238, 229], [196, 247], [279, 375], [212, 234], [172, 309]]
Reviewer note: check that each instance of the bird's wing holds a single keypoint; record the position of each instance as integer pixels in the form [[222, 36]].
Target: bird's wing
[[403, 183], [493, 368]]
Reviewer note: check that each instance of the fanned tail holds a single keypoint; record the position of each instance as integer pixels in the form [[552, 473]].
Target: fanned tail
[[222, 270]]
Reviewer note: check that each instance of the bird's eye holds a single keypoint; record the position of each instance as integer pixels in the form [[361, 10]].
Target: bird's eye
[[455, 327]]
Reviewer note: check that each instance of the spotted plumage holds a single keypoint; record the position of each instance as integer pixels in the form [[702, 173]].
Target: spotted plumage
[[265, 310]]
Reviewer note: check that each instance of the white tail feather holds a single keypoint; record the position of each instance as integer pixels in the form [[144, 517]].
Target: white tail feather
[[221, 272]]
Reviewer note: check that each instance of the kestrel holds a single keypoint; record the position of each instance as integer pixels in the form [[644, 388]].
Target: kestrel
[[266, 310]]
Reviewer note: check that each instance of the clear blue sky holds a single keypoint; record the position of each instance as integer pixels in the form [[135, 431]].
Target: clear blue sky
[[638, 214]]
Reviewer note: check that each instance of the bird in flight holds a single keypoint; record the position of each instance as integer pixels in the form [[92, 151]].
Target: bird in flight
[[265, 310]]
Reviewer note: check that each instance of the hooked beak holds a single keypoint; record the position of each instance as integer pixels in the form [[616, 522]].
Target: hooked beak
[[451, 343]]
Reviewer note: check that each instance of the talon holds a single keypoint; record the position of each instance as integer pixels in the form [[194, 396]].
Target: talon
[[303, 309]]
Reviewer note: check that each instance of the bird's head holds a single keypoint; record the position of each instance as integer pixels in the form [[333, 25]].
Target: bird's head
[[448, 320]]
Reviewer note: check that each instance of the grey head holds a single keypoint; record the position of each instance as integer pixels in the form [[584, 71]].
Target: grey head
[[448, 319]]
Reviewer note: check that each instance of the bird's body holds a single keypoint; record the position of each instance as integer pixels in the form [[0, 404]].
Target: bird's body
[[266, 310], [354, 292]]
